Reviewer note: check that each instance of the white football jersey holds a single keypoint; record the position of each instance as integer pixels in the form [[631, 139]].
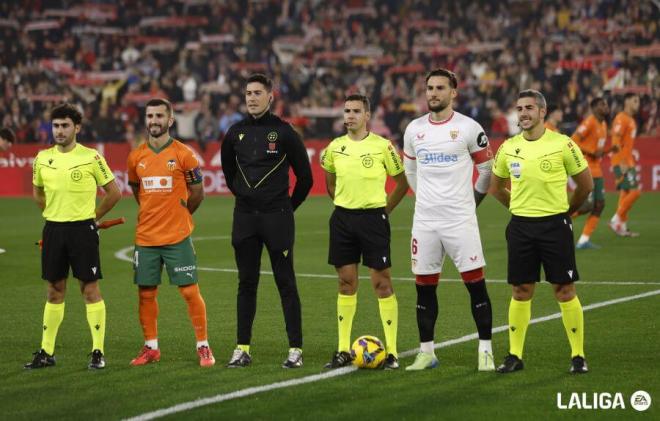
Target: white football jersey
[[443, 155]]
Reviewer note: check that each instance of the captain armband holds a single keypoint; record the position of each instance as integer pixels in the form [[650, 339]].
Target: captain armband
[[193, 176]]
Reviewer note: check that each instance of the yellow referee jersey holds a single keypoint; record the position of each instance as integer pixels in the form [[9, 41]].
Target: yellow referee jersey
[[361, 168], [538, 171], [70, 181]]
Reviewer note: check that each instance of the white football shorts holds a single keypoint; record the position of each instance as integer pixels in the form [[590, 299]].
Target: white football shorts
[[432, 240]]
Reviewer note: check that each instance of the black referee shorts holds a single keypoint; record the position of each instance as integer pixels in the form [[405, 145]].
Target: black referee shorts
[[545, 241], [360, 232], [74, 244]]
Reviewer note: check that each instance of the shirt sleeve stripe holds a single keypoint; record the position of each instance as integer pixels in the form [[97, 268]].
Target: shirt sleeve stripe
[[481, 156], [409, 157]]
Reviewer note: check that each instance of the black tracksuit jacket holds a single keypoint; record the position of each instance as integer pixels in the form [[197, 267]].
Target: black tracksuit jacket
[[256, 156]]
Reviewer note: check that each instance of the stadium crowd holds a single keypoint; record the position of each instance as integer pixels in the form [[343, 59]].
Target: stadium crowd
[[110, 57]]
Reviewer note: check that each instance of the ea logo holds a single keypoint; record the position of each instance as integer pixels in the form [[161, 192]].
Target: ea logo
[[76, 175], [640, 400], [546, 165], [367, 162]]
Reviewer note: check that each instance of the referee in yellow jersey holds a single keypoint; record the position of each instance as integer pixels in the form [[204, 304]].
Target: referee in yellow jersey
[[65, 179], [357, 165], [538, 162]]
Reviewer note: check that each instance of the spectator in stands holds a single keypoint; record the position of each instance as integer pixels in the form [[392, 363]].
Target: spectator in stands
[[107, 125], [230, 116], [7, 139], [206, 127], [45, 128], [317, 56]]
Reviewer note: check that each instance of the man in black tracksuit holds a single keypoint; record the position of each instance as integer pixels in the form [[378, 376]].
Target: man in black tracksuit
[[256, 155]]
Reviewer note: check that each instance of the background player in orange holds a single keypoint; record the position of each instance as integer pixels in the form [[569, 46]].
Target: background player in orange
[[624, 131], [167, 184], [554, 118], [591, 136]]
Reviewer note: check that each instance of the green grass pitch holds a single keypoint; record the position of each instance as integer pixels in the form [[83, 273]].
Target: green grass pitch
[[621, 339]]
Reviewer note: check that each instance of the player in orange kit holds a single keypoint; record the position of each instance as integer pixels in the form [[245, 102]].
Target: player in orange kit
[[591, 136], [167, 184], [554, 118], [624, 131]]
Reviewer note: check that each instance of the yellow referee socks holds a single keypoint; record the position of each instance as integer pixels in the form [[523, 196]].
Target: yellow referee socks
[[573, 318], [389, 315], [346, 307], [519, 314], [96, 321], [53, 316]]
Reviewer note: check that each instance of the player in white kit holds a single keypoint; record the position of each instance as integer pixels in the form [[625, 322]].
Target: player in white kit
[[441, 149]]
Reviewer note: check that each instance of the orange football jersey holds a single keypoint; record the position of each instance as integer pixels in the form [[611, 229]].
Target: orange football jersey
[[548, 125], [590, 136], [624, 131], [163, 217]]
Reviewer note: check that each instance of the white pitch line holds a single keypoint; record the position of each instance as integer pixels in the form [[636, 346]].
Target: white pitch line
[[212, 237], [125, 255], [186, 406]]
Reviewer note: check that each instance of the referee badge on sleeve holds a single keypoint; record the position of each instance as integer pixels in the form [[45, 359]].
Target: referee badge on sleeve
[[515, 169]]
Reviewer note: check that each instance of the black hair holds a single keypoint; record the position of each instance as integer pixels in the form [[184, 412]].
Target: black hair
[[446, 73], [261, 78], [156, 102], [553, 107], [8, 134], [65, 110], [362, 98], [594, 102], [629, 95]]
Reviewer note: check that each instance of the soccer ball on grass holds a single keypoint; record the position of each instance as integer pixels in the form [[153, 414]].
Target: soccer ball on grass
[[368, 352]]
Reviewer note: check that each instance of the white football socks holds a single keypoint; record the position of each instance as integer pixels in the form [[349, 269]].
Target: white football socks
[[427, 347], [485, 345]]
